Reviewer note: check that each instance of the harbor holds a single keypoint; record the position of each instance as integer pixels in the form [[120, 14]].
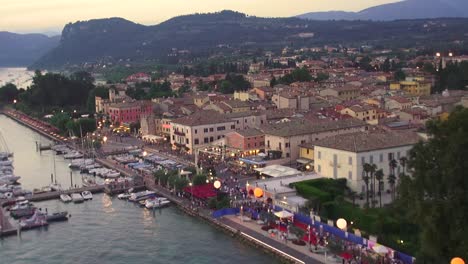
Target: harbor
[[166, 224], [126, 167]]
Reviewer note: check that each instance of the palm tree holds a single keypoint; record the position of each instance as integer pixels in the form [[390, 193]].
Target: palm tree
[[392, 165], [379, 175], [373, 169], [403, 162], [365, 177], [391, 182]]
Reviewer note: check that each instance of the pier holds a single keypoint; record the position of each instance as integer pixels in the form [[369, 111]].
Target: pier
[[6, 228], [56, 194]]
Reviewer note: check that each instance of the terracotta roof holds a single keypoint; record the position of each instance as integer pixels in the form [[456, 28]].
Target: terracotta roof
[[368, 141], [200, 118], [251, 132], [303, 127], [399, 99]]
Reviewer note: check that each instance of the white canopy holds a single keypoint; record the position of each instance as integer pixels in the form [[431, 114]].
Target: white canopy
[[284, 214], [380, 249], [277, 171]]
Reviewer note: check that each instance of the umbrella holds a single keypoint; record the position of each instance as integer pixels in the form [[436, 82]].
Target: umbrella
[[283, 214], [346, 256], [380, 249]]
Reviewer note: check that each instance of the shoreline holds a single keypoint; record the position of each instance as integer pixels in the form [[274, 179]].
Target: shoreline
[[181, 204]]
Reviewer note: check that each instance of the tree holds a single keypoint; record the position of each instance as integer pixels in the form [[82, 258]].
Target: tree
[[399, 75], [372, 170], [8, 93], [434, 196], [379, 175], [366, 170], [392, 182], [392, 164], [199, 179], [386, 65]]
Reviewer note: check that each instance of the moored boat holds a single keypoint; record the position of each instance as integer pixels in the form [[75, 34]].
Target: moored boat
[[136, 197], [65, 198], [59, 216], [157, 202], [77, 198], [87, 195]]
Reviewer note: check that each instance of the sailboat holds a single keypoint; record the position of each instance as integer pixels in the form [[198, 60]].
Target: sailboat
[[54, 185]]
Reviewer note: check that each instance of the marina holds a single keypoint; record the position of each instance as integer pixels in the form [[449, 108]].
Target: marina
[[165, 233]]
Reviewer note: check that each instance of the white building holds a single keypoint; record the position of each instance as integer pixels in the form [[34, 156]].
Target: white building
[[343, 156], [199, 129]]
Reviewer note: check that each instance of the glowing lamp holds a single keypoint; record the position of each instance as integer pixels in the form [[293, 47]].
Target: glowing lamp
[[258, 192], [341, 223], [217, 184], [457, 261]]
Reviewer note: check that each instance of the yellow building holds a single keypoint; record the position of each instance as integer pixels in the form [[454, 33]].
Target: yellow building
[[365, 113], [413, 87], [306, 156]]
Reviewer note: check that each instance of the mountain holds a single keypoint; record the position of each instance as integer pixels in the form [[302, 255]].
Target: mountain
[[408, 9], [119, 41], [23, 49]]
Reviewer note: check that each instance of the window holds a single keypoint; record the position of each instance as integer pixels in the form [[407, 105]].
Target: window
[[205, 130], [381, 157], [371, 159], [196, 131], [248, 145], [211, 139], [205, 140], [307, 151], [196, 141], [279, 146], [286, 145], [302, 141], [350, 175], [211, 129], [220, 128], [350, 160], [390, 156], [173, 137], [319, 168], [319, 155], [363, 160], [233, 127], [268, 143], [287, 155], [398, 155], [186, 141]]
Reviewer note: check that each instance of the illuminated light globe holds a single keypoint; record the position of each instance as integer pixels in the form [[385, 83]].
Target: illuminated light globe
[[457, 261], [217, 184], [258, 192], [341, 223]]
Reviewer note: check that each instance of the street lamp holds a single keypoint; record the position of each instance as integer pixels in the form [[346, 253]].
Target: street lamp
[[104, 139], [457, 261], [438, 54], [450, 54], [191, 190], [341, 224], [307, 167], [217, 184], [145, 153]]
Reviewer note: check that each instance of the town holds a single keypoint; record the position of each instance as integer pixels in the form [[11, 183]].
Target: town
[[337, 153]]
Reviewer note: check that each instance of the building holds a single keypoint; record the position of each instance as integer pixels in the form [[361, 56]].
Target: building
[[343, 92], [138, 78], [413, 87], [343, 156], [293, 100], [365, 113], [129, 112], [249, 141], [199, 129], [397, 102], [249, 119], [286, 136]]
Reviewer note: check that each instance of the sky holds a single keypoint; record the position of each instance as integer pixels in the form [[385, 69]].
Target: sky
[[51, 15]]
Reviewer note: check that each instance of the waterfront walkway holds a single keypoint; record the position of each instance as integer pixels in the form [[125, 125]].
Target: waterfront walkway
[[253, 229]]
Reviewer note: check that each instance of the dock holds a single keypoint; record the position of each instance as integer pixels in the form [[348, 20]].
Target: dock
[[56, 194], [6, 228]]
